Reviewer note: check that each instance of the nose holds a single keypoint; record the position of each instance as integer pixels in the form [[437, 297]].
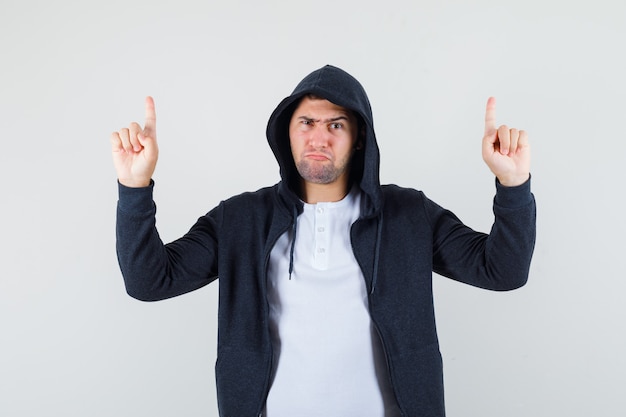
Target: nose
[[319, 137]]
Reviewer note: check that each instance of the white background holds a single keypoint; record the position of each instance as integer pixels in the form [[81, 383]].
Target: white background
[[72, 343]]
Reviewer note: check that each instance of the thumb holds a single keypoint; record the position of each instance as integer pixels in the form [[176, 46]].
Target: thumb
[[149, 145]]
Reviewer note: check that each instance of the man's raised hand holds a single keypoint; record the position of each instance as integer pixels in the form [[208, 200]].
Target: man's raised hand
[[505, 150], [135, 150]]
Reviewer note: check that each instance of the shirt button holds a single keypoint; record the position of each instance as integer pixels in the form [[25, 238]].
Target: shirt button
[[321, 250], [320, 229], [320, 210]]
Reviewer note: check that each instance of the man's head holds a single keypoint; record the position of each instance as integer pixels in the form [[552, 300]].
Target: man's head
[[358, 165], [323, 137]]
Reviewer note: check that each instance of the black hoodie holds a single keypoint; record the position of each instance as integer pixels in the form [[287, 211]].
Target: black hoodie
[[399, 240]]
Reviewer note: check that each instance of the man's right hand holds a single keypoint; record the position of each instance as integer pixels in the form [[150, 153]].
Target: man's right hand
[[135, 150]]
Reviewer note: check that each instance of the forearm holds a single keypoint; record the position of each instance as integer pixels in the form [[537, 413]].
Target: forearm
[[511, 242]]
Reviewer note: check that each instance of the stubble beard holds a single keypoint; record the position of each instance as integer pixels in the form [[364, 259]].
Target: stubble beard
[[320, 173]]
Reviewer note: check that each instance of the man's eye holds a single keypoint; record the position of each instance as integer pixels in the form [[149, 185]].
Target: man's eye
[[336, 125]]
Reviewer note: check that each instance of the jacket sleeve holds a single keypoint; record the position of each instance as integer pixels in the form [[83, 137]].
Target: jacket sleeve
[[153, 270], [499, 260]]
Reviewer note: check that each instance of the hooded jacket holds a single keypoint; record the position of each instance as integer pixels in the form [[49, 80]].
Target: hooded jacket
[[400, 239]]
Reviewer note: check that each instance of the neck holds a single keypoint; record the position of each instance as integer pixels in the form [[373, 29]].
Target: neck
[[324, 193]]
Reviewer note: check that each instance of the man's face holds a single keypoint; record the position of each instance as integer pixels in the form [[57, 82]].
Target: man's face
[[323, 137]]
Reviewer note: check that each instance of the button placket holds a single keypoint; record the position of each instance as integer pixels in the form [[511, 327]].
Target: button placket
[[321, 237]]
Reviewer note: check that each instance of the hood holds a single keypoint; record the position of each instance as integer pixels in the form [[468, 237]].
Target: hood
[[342, 89]]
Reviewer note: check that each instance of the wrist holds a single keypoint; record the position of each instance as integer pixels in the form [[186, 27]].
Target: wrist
[[134, 183], [513, 181]]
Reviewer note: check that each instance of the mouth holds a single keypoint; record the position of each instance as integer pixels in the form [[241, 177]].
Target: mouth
[[316, 156]]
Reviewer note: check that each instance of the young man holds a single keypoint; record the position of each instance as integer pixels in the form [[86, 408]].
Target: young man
[[326, 277]]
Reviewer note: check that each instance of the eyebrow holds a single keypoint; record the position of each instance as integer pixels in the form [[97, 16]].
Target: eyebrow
[[332, 119]]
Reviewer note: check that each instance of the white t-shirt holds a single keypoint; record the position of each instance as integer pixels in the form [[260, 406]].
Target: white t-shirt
[[328, 359]]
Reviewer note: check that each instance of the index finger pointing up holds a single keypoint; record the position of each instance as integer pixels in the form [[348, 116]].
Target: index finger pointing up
[[150, 125], [490, 116]]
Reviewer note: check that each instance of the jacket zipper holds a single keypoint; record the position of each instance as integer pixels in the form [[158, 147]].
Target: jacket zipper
[[380, 336], [387, 362], [267, 317]]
